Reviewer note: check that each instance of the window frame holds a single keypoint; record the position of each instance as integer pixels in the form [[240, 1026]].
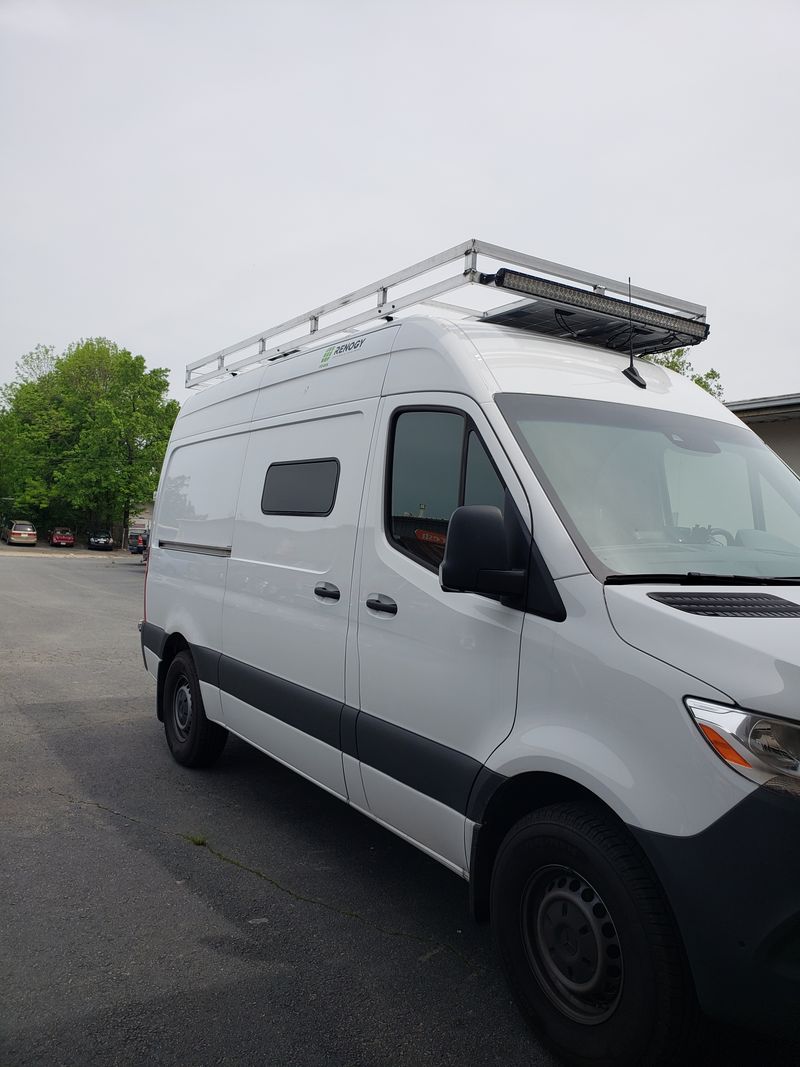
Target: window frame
[[469, 426], [296, 463]]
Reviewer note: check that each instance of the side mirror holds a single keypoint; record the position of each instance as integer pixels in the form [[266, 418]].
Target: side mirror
[[476, 554]]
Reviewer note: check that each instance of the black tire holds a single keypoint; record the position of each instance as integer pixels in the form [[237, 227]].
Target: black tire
[[587, 940], [193, 740]]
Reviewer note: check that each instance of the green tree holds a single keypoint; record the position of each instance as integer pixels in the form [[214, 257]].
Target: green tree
[[35, 364], [85, 432], [677, 360]]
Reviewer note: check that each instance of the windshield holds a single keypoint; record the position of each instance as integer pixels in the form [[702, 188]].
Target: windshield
[[644, 491]]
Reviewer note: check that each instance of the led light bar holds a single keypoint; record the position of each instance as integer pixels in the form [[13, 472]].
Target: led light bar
[[621, 310]]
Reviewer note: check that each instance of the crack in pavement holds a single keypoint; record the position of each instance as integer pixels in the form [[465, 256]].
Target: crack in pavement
[[199, 841]]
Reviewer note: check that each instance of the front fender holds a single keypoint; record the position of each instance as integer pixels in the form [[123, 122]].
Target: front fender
[[611, 718]]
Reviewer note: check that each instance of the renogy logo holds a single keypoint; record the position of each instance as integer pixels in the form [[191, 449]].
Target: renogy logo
[[338, 350]]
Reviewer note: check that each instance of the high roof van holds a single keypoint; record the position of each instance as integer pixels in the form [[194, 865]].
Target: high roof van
[[525, 599]]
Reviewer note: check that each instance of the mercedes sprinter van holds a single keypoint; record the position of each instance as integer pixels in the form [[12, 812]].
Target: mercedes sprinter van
[[530, 602]]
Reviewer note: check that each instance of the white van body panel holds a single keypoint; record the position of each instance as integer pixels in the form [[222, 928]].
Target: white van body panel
[[196, 507], [290, 384], [352, 778], [614, 722], [454, 867], [272, 617], [335, 374], [756, 659], [431, 355], [212, 702], [418, 818], [151, 661], [481, 359], [528, 363], [228, 404], [294, 748]]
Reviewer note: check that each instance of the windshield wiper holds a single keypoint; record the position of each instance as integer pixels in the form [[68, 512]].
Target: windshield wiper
[[699, 578]]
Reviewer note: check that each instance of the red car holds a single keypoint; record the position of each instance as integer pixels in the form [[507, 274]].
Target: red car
[[61, 535]]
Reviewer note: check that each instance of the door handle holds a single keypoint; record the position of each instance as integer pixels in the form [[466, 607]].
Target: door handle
[[381, 602], [327, 590]]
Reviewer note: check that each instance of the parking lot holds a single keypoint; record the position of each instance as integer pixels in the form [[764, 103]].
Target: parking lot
[[79, 549], [239, 915]]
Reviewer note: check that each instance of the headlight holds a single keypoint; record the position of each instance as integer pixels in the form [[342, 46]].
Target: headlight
[[758, 746]]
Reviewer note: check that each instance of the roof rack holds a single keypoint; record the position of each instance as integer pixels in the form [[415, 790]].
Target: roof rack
[[581, 312]]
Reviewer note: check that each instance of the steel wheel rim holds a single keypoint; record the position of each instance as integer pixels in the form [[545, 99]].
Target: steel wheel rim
[[572, 944], [182, 709]]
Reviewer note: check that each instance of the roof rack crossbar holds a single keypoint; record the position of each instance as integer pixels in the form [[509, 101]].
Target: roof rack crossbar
[[219, 364]]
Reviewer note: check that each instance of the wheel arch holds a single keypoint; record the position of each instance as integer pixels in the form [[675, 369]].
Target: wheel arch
[[173, 644], [506, 803]]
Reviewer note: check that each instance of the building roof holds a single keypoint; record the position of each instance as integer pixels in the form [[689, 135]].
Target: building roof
[[768, 408]]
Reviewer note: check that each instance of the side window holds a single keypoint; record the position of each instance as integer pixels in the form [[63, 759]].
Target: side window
[[304, 488], [438, 463], [482, 484]]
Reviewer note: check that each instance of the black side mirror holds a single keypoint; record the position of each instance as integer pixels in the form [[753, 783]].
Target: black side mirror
[[476, 556]]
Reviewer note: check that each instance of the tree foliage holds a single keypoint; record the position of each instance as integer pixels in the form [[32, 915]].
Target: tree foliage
[[677, 360], [82, 435]]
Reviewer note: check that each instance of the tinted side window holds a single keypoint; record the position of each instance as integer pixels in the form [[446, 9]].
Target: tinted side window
[[303, 488], [438, 463]]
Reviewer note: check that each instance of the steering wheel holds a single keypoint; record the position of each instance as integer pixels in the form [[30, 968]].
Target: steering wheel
[[729, 537]]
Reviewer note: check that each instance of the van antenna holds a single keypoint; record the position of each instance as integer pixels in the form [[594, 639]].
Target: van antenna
[[630, 372]]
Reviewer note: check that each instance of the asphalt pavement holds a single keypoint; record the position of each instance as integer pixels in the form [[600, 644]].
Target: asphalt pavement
[[151, 914]]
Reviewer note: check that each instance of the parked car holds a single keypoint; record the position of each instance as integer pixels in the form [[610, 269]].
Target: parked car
[[101, 539], [137, 540], [61, 536], [20, 532], [534, 605]]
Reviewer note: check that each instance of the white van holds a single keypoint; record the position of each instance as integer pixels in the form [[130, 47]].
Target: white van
[[528, 602]]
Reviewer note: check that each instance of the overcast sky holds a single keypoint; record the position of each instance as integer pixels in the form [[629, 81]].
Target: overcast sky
[[178, 174]]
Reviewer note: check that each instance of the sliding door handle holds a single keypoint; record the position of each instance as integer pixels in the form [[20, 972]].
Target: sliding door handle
[[327, 590], [380, 602]]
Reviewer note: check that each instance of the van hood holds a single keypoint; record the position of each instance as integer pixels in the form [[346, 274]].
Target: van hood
[[754, 660]]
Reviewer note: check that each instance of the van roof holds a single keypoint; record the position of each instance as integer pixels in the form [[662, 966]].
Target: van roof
[[430, 353]]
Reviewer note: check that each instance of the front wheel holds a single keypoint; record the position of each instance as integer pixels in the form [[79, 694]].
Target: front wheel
[[193, 739], [587, 940]]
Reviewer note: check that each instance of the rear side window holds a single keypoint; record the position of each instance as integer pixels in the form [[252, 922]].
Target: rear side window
[[438, 463], [307, 487]]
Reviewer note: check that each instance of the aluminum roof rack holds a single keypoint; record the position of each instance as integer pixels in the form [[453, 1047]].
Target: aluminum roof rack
[[582, 311]]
